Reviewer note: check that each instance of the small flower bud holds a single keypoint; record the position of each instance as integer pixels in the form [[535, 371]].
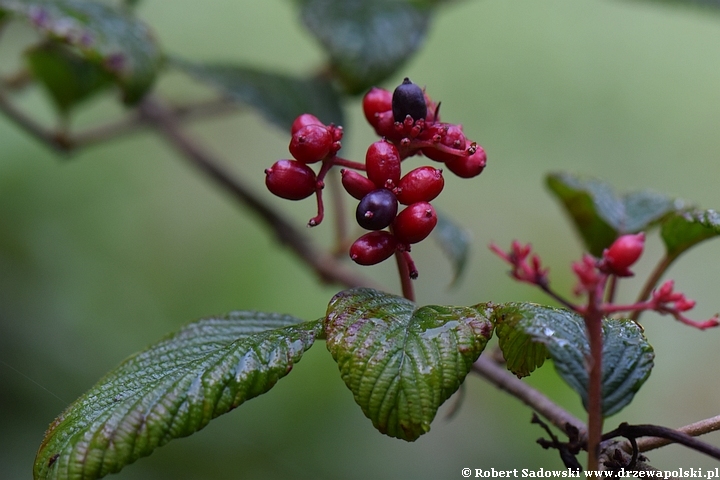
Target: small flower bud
[[623, 253]]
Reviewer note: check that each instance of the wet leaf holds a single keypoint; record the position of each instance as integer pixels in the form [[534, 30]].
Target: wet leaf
[[600, 215], [280, 98], [454, 241], [402, 362], [367, 40], [170, 390], [530, 333], [110, 38], [687, 228]]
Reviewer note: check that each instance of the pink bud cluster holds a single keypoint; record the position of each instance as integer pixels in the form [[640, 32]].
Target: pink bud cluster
[[593, 277]]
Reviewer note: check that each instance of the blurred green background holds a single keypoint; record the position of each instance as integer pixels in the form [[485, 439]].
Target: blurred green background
[[104, 252]]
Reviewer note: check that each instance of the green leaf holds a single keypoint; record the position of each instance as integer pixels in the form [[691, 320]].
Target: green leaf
[[529, 333], [402, 362], [367, 40], [600, 215], [280, 98], [68, 78], [110, 38], [454, 241], [687, 228], [171, 390]]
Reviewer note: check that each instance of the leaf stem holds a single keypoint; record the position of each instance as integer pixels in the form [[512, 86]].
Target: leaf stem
[[408, 289], [504, 380], [651, 283], [593, 324]]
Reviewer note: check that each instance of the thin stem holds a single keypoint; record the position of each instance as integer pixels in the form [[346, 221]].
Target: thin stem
[[612, 288], [593, 324], [135, 122], [57, 142], [651, 283], [326, 266], [408, 289], [504, 380], [343, 162], [559, 298]]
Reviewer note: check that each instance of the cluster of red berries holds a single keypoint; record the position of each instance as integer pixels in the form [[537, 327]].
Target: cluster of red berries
[[408, 121]]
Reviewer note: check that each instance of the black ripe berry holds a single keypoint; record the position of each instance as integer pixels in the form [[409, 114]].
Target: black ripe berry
[[377, 209], [408, 99]]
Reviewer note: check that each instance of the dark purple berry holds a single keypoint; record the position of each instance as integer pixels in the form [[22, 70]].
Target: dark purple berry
[[373, 247], [377, 209], [290, 179], [408, 99]]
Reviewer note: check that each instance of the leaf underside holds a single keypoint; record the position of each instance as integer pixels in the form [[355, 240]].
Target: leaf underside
[[110, 38], [529, 333], [687, 228], [402, 362], [171, 390], [279, 98], [367, 40], [600, 215], [454, 241]]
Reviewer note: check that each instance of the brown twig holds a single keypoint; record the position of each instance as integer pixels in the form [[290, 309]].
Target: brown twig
[[504, 380], [702, 427], [53, 139], [326, 266], [673, 436]]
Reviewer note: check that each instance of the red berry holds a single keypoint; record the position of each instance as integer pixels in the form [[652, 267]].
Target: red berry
[[373, 247], [470, 166], [408, 99], [304, 120], [291, 180], [383, 164], [311, 143], [375, 102], [420, 185], [624, 252], [355, 184], [451, 136], [377, 209], [415, 223], [385, 126]]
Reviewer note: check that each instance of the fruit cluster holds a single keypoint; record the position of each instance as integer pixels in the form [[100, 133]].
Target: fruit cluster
[[408, 122]]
